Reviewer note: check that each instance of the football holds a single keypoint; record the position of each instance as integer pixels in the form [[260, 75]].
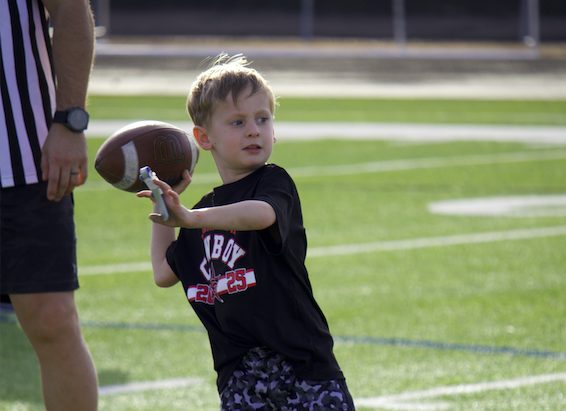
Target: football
[[166, 149]]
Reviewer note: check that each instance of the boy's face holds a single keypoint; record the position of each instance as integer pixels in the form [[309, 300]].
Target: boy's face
[[240, 136]]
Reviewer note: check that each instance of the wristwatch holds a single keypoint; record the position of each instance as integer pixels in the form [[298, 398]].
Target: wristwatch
[[75, 119]]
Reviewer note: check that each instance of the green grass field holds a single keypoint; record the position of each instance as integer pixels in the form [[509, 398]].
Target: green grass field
[[169, 108], [407, 316]]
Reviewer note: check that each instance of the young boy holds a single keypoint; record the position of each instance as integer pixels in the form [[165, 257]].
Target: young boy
[[240, 255]]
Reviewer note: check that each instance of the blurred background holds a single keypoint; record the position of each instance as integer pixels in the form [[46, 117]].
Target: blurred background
[[471, 20], [380, 49]]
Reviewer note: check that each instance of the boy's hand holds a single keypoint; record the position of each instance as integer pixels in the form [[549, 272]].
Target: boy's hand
[[177, 211], [184, 183]]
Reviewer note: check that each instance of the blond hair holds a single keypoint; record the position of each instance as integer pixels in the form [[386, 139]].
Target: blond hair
[[226, 75]]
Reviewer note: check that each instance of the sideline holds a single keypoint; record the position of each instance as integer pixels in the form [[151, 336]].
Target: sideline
[[347, 249], [301, 49], [458, 85]]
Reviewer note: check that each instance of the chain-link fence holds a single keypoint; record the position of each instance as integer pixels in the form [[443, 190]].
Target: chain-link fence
[[443, 20]]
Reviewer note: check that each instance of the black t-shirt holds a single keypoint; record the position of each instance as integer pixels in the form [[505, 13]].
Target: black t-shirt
[[251, 288]]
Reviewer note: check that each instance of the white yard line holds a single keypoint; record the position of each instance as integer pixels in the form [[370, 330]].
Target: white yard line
[[403, 401], [421, 132], [382, 166], [377, 246], [442, 241], [147, 385], [431, 162], [303, 131], [117, 268], [534, 205]]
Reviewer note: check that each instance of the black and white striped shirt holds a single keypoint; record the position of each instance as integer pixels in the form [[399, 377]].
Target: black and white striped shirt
[[27, 90]]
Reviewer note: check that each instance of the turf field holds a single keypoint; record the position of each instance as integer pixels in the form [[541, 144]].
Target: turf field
[[429, 311]]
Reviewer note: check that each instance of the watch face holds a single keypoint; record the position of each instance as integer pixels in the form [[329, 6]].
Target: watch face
[[77, 119]]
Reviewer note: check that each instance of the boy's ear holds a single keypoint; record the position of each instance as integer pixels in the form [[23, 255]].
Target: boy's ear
[[201, 136], [274, 138]]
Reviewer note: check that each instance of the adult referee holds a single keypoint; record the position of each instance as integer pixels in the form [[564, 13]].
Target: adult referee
[[43, 157]]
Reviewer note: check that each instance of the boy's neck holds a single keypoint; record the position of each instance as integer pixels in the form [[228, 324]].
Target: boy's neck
[[229, 178]]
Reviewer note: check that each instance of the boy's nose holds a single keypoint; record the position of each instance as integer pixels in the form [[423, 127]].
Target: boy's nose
[[253, 130]]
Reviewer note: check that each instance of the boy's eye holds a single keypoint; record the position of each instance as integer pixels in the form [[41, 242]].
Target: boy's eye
[[262, 120], [237, 123]]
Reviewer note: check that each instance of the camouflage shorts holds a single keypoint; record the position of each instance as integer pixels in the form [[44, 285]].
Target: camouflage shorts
[[265, 380]]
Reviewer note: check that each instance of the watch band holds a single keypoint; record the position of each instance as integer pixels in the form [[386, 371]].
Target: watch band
[[75, 119], [60, 117]]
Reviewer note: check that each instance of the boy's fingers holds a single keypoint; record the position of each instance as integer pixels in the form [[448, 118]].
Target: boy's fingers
[[145, 194], [184, 183], [162, 184], [158, 219]]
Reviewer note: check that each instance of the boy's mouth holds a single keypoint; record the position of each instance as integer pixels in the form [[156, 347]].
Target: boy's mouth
[[253, 147]]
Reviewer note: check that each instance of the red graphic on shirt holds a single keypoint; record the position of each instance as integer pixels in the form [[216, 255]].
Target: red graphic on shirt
[[213, 287], [232, 282], [222, 248]]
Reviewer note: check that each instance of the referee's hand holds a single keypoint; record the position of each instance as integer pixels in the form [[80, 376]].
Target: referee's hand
[[64, 161]]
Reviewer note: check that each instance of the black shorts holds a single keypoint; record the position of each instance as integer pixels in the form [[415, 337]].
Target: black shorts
[[37, 242], [266, 381]]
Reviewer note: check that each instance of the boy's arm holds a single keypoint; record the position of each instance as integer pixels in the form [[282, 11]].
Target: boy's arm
[[161, 238], [243, 216], [246, 215]]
